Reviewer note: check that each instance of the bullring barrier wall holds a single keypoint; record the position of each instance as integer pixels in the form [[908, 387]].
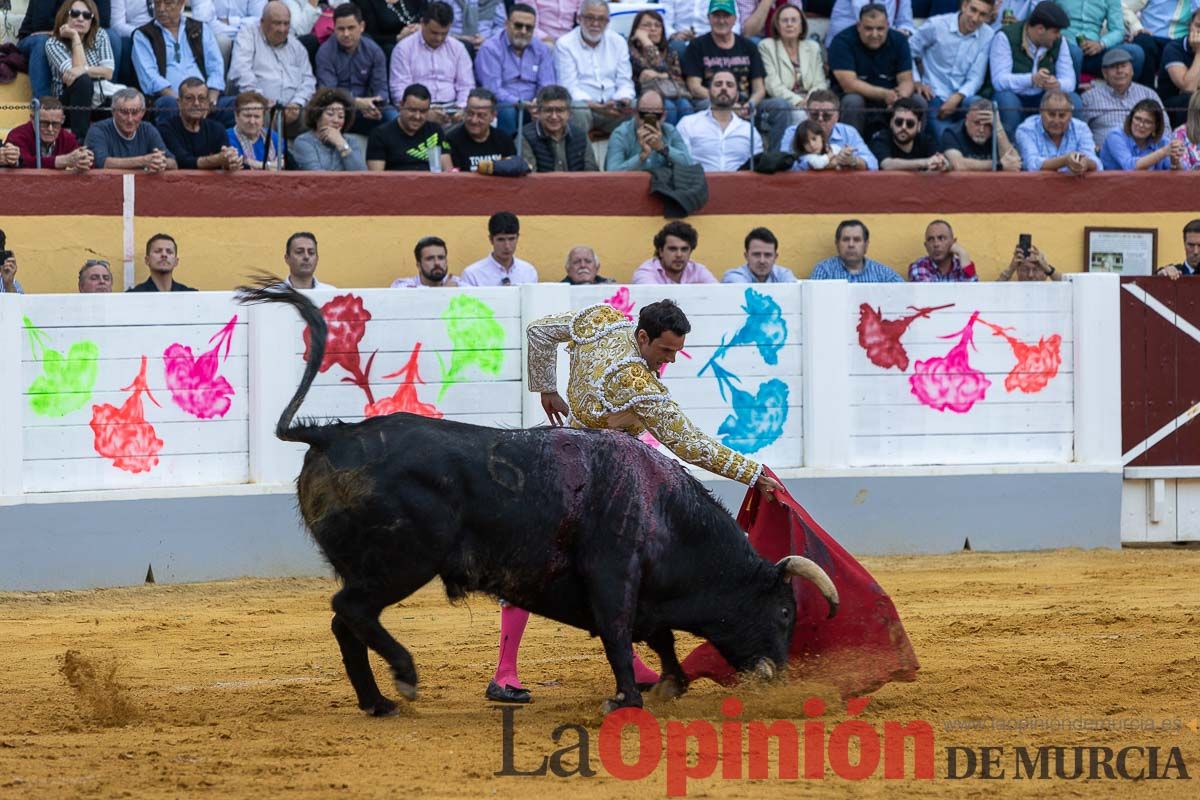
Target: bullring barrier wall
[[140, 428], [230, 225]]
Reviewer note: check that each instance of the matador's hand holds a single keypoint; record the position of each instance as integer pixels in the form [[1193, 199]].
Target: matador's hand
[[555, 407], [768, 486]]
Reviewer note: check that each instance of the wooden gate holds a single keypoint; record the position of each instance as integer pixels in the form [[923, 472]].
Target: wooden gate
[[1160, 401]]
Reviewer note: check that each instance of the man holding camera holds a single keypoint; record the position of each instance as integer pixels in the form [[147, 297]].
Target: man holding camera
[[8, 272], [645, 142]]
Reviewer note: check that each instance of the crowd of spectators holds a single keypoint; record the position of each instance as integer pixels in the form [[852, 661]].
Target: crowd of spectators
[[504, 87], [673, 261]]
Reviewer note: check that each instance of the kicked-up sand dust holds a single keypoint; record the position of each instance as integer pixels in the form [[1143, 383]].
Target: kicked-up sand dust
[[236, 689]]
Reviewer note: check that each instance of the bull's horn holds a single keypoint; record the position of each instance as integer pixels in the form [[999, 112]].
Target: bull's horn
[[764, 669], [801, 567]]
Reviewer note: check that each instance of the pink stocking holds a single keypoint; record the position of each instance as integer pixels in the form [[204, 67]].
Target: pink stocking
[[512, 627]]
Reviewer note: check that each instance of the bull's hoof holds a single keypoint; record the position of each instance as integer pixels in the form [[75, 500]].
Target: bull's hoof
[[382, 708], [507, 694], [406, 689], [667, 689], [613, 703]]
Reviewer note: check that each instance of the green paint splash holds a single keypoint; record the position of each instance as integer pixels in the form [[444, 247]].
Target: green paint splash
[[65, 384], [477, 340]]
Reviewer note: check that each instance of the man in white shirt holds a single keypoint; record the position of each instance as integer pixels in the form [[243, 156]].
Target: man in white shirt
[[718, 139], [592, 62], [267, 59], [301, 256], [501, 267]]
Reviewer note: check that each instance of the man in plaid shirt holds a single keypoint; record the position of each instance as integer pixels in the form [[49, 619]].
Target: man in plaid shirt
[[945, 261], [851, 263]]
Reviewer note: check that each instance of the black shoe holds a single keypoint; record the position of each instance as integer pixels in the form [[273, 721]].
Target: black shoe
[[506, 694]]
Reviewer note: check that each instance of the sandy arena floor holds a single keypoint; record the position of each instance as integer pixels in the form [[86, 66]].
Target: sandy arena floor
[[236, 689]]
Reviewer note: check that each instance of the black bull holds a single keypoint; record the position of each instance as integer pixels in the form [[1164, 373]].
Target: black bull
[[590, 528]]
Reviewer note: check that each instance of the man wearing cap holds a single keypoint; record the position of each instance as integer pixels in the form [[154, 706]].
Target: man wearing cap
[[1085, 39], [1029, 59], [1108, 102]]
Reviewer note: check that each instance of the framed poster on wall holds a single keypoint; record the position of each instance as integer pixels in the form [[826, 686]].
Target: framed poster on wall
[[1124, 251]]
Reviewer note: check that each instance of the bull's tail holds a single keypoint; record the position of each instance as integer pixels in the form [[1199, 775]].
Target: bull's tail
[[269, 289]]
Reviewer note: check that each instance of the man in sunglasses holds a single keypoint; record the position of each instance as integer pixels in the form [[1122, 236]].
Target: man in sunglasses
[[852, 153], [514, 65], [902, 145], [95, 277]]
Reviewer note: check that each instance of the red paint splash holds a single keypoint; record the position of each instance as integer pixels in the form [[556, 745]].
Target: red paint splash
[[950, 382], [1036, 364], [346, 319], [881, 337], [123, 434], [405, 398], [622, 302], [194, 383]]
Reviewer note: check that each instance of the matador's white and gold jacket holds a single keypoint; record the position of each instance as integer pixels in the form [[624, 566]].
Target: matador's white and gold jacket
[[612, 386]]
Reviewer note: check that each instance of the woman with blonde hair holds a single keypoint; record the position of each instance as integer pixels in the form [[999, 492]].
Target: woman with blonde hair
[[792, 60], [81, 62], [1189, 134]]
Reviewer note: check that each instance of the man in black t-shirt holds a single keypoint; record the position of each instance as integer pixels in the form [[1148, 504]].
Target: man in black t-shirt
[[476, 140], [872, 66], [721, 49], [967, 145], [903, 145], [197, 141], [408, 144]]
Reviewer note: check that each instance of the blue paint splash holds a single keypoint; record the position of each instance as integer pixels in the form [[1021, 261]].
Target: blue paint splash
[[758, 419], [764, 327]]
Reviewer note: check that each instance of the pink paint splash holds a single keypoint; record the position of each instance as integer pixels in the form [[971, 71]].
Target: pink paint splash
[[1036, 364], [623, 303], [881, 337], [949, 381], [123, 434], [405, 398], [194, 383]]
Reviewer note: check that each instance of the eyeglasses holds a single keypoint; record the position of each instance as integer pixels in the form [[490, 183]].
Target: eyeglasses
[[558, 110], [523, 26], [594, 19], [904, 122], [129, 112], [49, 123], [822, 114], [75, 13]]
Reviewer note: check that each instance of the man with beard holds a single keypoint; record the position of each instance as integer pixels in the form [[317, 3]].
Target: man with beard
[[583, 267], [408, 144], [162, 257], [903, 145], [718, 139], [1054, 141], [592, 63], [476, 140], [197, 141], [432, 266], [515, 65], [968, 145], [672, 262], [945, 259]]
